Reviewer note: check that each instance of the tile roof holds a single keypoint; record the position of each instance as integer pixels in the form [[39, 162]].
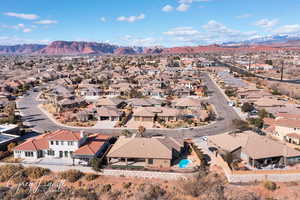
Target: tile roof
[[65, 135], [92, 145], [254, 145], [136, 147]]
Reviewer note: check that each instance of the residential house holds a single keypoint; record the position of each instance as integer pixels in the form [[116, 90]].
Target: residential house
[[61, 144], [187, 103], [254, 149], [151, 114], [160, 152]]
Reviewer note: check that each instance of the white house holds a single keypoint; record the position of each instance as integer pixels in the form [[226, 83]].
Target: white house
[[61, 144]]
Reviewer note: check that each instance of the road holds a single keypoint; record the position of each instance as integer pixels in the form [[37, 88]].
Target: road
[[245, 71], [39, 121]]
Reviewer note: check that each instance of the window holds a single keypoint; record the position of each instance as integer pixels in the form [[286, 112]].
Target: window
[[29, 154], [150, 161], [56, 142], [62, 142], [51, 142], [70, 143], [66, 153], [50, 152]]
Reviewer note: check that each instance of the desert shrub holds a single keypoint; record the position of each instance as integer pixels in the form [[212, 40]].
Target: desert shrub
[[90, 177], [7, 171], [115, 194], [269, 185], [71, 175], [106, 188], [127, 185], [4, 154], [86, 194], [151, 192], [36, 172]]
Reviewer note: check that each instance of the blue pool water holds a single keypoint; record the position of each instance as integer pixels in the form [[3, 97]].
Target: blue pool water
[[184, 163]]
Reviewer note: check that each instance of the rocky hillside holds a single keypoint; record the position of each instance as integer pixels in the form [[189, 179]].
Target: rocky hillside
[[78, 48], [21, 49]]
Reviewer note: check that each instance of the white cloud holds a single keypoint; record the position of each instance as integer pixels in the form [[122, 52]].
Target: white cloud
[[247, 15], [12, 40], [182, 31], [21, 27], [22, 15], [167, 8], [131, 18], [47, 21], [266, 23], [183, 7], [288, 29], [139, 41], [27, 30], [212, 32], [103, 19]]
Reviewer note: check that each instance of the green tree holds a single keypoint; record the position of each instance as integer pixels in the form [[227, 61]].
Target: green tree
[[247, 107]]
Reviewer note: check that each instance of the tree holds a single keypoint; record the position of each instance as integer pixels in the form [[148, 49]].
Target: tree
[[263, 113], [247, 107], [141, 130], [11, 147], [96, 163], [257, 122]]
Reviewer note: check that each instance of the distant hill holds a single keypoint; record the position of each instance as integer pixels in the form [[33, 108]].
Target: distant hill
[[272, 43], [21, 49]]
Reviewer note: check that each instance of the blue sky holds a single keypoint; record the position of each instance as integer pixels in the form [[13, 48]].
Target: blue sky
[[146, 22]]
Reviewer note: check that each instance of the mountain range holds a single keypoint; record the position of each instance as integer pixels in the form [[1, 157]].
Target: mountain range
[[269, 43]]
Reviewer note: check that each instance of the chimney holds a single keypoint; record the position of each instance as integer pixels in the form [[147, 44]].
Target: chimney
[[82, 134]]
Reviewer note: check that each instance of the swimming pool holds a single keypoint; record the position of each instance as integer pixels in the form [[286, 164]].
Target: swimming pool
[[184, 163]]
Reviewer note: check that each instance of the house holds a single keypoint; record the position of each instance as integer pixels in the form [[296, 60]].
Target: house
[[160, 152], [285, 127], [151, 114], [110, 102], [109, 113], [254, 149], [187, 103], [61, 144], [140, 102]]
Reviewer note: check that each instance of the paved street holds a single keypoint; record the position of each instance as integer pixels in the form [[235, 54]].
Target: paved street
[[39, 121]]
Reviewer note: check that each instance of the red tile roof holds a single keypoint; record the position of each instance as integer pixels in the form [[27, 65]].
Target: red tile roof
[[65, 135], [93, 144], [37, 143]]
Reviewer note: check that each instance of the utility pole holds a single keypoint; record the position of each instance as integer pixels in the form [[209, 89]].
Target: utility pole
[[281, 71], [250, 57]]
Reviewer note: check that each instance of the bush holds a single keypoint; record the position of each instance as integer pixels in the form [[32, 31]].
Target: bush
[[106, 188], [90, 177], [127, 185], [36, 172], [257, 122], [71, 175], [270, 185], [8, 171], [247, 107]]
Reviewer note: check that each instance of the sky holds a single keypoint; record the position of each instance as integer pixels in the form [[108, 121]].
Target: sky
[[146, 22]]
